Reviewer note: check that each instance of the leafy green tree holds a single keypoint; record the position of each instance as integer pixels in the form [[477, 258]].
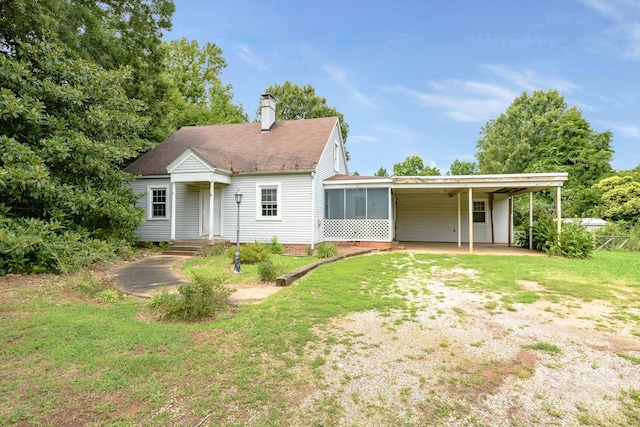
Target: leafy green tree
[[539, 133], [67, 128], [463, 167], [621, 197], [111, 33], [295, 102], [196, 93], [413, 166], [381, 172]]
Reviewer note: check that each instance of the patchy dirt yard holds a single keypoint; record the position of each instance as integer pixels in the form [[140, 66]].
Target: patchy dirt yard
[[454, 357]]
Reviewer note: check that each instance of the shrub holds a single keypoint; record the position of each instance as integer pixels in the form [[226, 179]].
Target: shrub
[[575, 241], [268, 270], [275, 247], [250, 253], [218, 250], [327, 250], [36, 246], [202, 298]]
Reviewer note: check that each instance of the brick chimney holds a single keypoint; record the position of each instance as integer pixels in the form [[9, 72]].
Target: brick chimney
[[267, 111]]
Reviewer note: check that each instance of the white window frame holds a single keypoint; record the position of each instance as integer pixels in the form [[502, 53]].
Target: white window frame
[[336, 156], [268, 185], [486, 209], [150, 215]]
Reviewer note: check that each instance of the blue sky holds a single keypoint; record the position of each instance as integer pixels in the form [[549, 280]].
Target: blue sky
[[423, 77]]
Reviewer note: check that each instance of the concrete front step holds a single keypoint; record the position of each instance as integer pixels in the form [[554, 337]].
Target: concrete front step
[[194, 247]]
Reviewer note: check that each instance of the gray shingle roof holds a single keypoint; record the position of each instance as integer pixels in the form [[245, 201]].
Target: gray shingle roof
[[289, 145]]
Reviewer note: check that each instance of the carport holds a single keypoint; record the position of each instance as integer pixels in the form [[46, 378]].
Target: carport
[[447, 209]]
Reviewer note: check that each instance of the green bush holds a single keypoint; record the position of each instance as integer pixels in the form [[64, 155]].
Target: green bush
[[268, 270], [217, 250], [574, 242], [275, 247], [36, 246], [327, 250], [250, 253], [202, 298]]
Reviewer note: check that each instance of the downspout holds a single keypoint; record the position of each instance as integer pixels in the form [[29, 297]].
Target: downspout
[[313, 209]]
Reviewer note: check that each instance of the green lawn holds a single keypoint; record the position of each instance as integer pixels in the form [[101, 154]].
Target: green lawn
[[223, 264], [66, 359]]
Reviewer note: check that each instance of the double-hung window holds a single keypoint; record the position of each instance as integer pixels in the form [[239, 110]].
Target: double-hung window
[[479, 211], [157, 203], [269, 204]]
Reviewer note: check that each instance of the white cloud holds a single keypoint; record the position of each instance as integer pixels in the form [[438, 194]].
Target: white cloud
[[479, 101], [631, 131], [248, 56], [530, 80], [624, 34], [358, 139], [340, 76], [465, 101]]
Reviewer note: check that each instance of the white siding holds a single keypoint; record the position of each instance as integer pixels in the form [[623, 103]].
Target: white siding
[[324, 170], [157, 230], [187, 211], [434, 218], [294, 225], [191, 164]]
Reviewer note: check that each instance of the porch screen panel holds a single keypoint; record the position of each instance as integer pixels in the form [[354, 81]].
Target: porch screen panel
[[377, 203], [334, 204], [356, 203]]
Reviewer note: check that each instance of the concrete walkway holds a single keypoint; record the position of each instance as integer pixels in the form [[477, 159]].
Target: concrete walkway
[[149, 275]]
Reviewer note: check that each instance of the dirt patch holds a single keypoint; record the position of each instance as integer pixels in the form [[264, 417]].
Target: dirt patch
[[450, 360]]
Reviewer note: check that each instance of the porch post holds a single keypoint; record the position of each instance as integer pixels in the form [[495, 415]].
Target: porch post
[[391, 219], [559, 211], [510, 223], [459, 232], [211, 196], [173, 211], [531, 220], [470, 220]]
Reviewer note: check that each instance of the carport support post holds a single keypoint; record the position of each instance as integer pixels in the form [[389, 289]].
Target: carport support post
[[531, 220], [470, 220], [459, 232], [559, 211]]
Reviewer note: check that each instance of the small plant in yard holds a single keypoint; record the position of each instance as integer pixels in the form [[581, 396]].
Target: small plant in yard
[[574, 242], [275, 247], [327, 250], [218, 250], [269, 270], [156, 247], [202, 298], [250, 253], [544, 346]]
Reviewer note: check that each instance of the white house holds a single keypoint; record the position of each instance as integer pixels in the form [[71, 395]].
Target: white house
[[294, 180]]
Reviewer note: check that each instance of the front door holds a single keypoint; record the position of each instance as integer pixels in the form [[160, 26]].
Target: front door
[[204, 212]]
